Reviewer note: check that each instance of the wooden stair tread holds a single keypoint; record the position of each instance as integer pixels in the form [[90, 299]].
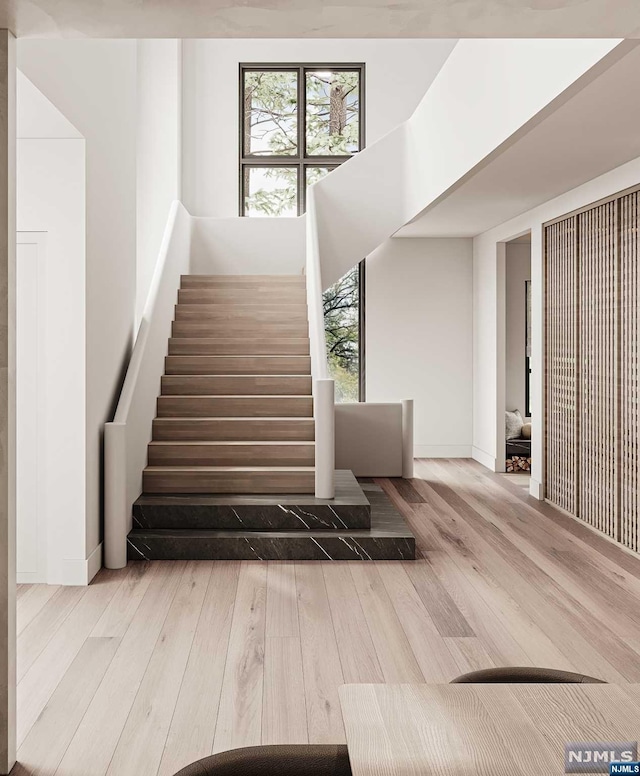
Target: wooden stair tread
[[225, 279], [241, 356], [230, 365], [226, 310], [271, 341], [244, 418], [211, 329], [268, 340], [252, 295], [237, 395], [259, 314], [239, 442], [300, 327], [238, 377], [260, 469], [236, 385]]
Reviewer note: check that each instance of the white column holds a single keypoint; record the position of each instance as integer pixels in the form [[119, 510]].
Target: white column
[[407, 438], [324, 410], [7, 401], [536, 487], [116, 506]]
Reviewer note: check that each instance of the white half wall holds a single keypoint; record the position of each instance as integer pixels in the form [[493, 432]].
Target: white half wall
[[93, 83], [398, 73], [247, 246], [368, 439], [419, 338], [159, 73], [486, 366]]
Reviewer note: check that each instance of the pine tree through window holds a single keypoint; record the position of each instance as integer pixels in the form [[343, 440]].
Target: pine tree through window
[[297, 124]]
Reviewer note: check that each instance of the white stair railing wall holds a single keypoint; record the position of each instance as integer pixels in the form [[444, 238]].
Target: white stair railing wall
[[487, 94], [323, 386], [126, 438]]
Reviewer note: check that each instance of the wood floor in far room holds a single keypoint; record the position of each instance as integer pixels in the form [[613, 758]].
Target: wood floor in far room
[[161, 663]]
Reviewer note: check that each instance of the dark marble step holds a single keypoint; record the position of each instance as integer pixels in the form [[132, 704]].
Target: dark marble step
[[388, 539], [348, 510]]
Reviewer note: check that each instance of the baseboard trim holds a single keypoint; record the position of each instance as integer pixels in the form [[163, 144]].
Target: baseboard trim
[[442, 451], [536, 489], [29, 578], [485, 459], [82, 570]]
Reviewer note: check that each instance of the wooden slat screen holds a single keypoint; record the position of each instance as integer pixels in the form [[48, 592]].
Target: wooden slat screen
[[629, 373], [597, 368], [592, 288], [562, 395]]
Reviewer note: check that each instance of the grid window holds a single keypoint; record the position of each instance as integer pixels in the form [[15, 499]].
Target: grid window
[[298, 123]]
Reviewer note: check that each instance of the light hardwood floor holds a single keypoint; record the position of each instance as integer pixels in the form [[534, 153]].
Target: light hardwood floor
[[159, 664]]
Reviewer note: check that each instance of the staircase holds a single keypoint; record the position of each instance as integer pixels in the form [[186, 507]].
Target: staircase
[[230, 470], [235, 414]]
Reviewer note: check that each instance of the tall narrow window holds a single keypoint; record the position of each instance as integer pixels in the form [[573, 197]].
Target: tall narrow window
[[344, 330], [298, 123]]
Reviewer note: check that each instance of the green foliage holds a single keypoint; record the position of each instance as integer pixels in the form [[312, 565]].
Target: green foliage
[[271, 116], [342, 331], [271, 108], [332, 113], [277, 200]]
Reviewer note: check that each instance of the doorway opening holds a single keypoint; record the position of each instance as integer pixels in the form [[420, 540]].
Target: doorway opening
[[517, 356]]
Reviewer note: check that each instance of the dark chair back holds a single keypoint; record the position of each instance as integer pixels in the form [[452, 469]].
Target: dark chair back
[[525, 675], [287, 760]]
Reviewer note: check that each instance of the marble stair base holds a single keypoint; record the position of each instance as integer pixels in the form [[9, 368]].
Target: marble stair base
[[388, 538], [247, 512]]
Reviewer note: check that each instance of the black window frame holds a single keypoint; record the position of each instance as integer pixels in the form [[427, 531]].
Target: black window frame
[[362, 331], [301, 161]]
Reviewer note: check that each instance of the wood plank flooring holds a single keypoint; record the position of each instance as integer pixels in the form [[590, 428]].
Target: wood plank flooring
[[162, 663]]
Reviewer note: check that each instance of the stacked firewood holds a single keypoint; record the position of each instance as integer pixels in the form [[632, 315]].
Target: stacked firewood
[[518, 463]]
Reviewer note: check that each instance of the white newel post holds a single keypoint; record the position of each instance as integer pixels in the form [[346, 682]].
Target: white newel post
[[407, 438], [115, 496], [325, 438]]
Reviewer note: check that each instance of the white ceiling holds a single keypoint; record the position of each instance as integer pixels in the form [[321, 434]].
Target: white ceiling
[[592, 133], [315, 19]]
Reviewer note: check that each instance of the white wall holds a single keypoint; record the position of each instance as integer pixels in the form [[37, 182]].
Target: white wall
[[248, 246], [159, 87], [31, 504], [51, 199], [128, 436], [419, 337], [398, 72], [93, 83], [486, 324], [517, 272]]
